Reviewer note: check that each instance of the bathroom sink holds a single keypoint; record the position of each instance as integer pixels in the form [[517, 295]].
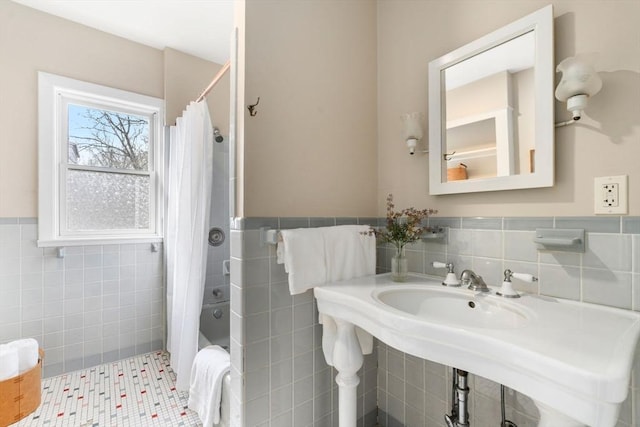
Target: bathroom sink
[[573, 359], [450, 308]]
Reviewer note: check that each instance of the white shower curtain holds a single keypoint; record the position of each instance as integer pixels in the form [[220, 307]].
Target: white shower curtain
[[188, 205]]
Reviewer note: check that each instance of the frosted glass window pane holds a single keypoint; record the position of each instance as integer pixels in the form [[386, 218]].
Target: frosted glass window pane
[[107, 201], [109, 139]]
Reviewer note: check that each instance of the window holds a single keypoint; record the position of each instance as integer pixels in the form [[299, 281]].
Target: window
[[100, 164]]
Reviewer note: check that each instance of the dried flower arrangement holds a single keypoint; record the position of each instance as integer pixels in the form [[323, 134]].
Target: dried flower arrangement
[[404, 226]]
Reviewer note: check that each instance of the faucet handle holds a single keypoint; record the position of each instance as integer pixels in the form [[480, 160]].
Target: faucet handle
[[508, 274], [438, 264], [450, 279], [507, 290], [525, 277]]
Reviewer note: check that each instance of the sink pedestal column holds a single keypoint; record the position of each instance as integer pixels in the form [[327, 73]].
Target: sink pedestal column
[[347, 359], [549, 417]]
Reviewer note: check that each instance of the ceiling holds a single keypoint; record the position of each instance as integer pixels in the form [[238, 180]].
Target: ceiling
[[198, 27]]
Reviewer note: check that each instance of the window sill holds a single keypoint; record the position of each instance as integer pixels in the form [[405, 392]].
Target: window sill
[[86, 241]]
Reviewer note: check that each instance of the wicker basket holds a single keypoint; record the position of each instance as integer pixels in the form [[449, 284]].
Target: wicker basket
[[458, 173], [20, 396]]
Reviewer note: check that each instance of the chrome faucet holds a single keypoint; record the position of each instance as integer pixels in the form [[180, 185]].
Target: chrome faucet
[[473, 281]]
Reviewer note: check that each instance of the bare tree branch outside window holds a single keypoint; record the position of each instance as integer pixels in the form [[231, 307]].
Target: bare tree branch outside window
[[107, 200], [108, 139]]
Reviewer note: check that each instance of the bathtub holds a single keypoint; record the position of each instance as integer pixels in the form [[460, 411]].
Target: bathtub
[[214, 329], [214, 325]]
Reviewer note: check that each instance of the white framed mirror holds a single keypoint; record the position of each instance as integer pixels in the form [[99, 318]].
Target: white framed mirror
[[491, 111]]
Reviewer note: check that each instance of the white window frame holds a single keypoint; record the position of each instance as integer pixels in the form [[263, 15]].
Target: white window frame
[[54, 94]]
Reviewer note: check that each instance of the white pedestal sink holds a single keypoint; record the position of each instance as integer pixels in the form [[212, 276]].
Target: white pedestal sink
[[573, 359]]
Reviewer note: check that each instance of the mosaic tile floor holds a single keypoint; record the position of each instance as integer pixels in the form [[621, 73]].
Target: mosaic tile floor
[[132, 392]]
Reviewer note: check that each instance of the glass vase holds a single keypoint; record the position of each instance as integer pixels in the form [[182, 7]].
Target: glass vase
[[399, 266]]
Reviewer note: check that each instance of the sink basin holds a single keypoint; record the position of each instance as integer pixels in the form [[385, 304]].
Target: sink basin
[[445, 307], [570, 357]]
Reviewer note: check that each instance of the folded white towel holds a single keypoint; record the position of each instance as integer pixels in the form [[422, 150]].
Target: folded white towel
[[280, 251], [27, 353], [9, 365], [205, 392], [304, 258], [315, 256], [349, 252]]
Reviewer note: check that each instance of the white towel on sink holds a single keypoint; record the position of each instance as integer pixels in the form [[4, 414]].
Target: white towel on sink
[[315, 256]]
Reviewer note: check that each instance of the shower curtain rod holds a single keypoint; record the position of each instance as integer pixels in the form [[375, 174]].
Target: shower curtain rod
[[215, 80]]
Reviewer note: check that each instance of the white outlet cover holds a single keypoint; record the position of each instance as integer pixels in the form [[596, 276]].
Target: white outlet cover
[[601, 208]]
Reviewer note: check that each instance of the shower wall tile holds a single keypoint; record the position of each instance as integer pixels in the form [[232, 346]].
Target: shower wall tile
[[97, 304], [217, 282]]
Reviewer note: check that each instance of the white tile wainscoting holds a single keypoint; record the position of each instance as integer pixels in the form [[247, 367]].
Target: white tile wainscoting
[[416, 392], [95, 305], [104, 303], [279, 374], [276, 341]]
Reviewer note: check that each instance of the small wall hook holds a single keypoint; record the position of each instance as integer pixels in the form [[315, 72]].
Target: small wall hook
[[252, 108], [448, 156]]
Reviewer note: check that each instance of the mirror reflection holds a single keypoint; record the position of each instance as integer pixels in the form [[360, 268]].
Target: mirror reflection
[[491, 110], [488, 110]]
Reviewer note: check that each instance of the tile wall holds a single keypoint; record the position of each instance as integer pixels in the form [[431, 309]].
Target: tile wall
[[281, 379], [279, 374], [415, 392], [219, 217], [97, 304]]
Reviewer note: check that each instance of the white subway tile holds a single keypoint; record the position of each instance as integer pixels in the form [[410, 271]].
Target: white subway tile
[[32, 312], [608, 251], [9, 331], [560, 281], [607, 288]]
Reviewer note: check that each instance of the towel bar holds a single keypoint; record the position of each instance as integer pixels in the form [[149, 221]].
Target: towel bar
[[269, 236]]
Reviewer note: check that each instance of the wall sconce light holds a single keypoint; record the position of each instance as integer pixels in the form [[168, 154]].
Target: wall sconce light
[[412, 130], [579, 82]]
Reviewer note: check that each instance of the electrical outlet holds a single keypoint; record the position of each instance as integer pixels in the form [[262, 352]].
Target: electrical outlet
[[610, 195], [610, 198]]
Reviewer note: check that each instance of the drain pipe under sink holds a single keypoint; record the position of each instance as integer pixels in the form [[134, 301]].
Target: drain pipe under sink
[[459, 416]]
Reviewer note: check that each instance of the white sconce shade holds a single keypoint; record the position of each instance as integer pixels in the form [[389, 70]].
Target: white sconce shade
[[579, 82], [412, 130]]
